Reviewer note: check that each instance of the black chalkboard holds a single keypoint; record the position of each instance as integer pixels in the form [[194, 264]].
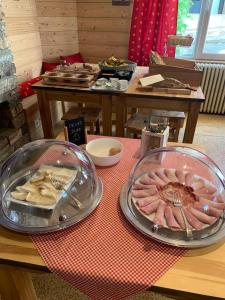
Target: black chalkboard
[[76, 131]]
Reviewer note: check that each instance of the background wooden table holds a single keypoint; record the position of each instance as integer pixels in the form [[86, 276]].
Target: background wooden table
[[137, 97], [47, 93], [134, 97]]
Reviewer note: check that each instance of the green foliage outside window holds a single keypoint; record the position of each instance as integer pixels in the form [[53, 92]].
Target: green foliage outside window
[[183, 14]]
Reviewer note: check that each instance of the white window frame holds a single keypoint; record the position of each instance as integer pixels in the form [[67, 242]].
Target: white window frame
[[202, 29]]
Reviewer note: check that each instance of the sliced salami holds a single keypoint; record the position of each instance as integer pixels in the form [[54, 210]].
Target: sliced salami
[[141, 186], [158, 181], [154, 194], [209, 210], [180, 176], [218, 205], [144, 193], [192, 220], [150, 208], [161, 174], [159, 216], [170, 173], [141, 202], [170, 219], [178, 217], [201, 216]]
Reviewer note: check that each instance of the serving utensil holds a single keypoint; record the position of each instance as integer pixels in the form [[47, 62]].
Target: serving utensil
[[177, 203], [59, 186]]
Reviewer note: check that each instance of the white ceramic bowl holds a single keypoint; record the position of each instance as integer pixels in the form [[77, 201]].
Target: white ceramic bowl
[[99, 151]]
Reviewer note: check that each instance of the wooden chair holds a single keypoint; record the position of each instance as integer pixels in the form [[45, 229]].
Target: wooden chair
[[137, 122], [91, 117]]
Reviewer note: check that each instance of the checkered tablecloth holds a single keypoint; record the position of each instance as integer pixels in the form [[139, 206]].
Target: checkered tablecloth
[[104, 256]]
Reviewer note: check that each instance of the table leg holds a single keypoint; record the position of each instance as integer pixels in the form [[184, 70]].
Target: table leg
[[192, 119], [107, 114], [16, 284], [120, 116], [45, 112]]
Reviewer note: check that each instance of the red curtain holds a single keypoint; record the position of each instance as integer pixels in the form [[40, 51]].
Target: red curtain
[[152, 22]]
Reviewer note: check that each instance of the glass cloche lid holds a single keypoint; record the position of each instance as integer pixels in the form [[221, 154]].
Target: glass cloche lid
[[176, 196], [47, 185]]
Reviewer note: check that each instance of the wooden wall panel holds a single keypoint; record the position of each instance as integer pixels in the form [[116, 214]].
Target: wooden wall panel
[[52, 53], [25, 41], [19, 8], [23, 34], [102, 10], [103, 29], [56, 9], [59, 24], [16, 26], [103, 25], [59, 38], [58, 28], [104, 39]]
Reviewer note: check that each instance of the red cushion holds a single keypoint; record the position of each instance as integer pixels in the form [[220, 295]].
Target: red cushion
[[71, 59], [25, 89], [49, 66]]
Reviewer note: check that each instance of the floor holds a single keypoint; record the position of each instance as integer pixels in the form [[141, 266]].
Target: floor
[[210, 133]]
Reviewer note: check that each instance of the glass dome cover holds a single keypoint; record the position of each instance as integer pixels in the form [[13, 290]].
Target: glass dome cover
[[47, 185], [177, 196]]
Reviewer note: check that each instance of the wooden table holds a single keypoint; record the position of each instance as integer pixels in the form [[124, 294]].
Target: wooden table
[[138, 97], [197, 275], [134, 97], [47, 93]]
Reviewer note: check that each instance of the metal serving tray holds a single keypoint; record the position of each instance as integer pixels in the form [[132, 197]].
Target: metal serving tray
[[33, 219], [202, 238]]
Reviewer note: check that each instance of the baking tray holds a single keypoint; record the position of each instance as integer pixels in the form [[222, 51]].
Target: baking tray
[[124, 75], [211, 235]]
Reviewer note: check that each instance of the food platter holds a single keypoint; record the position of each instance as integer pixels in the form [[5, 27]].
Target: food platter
[[176, 196], [30, 218], [113, 63], [213, 234], [38, 183], [46, 186]]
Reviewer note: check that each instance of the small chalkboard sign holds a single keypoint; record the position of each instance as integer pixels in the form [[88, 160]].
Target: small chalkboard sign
[[76, 131]]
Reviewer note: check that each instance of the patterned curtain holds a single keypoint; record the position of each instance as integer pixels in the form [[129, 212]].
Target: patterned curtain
[[152, 22]]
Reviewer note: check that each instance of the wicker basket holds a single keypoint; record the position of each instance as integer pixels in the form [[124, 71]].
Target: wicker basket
[[178, 40]]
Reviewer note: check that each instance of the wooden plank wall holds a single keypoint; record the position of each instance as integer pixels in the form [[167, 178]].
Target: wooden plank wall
[[103, 29], [58, 28], [24, 37]]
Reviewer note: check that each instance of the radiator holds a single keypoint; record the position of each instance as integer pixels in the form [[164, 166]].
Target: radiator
[[213, 87]]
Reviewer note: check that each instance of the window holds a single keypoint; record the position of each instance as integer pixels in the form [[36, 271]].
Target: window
[[204, 20]]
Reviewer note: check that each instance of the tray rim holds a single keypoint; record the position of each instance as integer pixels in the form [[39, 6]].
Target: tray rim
[[7, 223]]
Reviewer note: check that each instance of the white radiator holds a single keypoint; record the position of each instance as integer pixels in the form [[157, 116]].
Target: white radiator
[[213, 86]]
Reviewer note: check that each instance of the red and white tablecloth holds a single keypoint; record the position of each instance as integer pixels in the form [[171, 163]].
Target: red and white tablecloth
[[104, 256]]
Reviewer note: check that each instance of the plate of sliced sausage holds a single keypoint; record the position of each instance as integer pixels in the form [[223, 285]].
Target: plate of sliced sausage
[[167, 203]]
